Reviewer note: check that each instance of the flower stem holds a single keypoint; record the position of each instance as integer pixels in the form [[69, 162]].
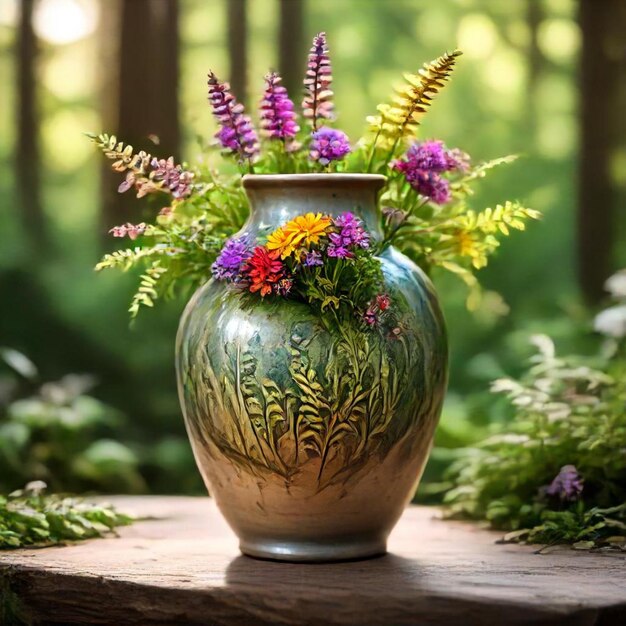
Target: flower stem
[[372, 154], [386, 242]]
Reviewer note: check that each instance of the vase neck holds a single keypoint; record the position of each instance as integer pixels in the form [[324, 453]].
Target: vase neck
[[276, 199]]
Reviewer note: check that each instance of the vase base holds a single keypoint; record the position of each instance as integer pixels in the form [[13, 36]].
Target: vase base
[[313, 551]]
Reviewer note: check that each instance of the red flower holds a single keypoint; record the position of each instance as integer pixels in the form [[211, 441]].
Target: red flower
[[264, 269], [383, 302]]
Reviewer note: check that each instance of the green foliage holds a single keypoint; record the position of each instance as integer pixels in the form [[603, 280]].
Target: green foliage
[[451, 236], [342, 287], [123, 156], [29, 517], [568, 412], [58, 433], [185, 240]]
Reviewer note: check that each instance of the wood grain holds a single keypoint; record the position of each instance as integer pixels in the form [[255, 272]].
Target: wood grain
[[184, 568]]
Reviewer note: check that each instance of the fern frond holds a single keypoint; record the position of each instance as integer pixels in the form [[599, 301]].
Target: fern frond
[[411, 100], [147, 292], [501, 218], [123, 155], [480, 170], [125, 259]]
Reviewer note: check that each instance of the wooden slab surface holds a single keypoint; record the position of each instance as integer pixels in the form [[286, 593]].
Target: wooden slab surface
[[184, 568]]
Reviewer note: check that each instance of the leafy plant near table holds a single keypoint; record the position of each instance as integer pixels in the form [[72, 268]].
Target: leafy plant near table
[[557, 472], [58, 433], [425, 205], [29, 517]]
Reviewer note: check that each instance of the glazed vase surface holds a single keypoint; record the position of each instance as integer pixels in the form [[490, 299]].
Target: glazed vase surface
[[312, 437]]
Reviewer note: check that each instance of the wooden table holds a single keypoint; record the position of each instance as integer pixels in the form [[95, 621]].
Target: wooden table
[[184, 568]]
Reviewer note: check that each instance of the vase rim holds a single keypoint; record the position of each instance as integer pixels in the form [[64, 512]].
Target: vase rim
[[256, 181]]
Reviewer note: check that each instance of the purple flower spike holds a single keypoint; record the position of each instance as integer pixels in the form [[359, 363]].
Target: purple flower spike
[[278, 119], [231, 260], [328, 144], [317, 103], [567, 485], [236, 133]]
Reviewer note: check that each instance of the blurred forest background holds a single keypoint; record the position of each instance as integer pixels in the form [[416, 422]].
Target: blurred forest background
[[542, 78]]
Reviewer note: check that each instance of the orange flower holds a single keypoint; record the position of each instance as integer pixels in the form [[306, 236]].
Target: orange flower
[[303, 230]]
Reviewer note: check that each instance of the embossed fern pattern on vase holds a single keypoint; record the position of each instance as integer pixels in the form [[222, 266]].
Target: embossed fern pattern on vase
[[310, 400]]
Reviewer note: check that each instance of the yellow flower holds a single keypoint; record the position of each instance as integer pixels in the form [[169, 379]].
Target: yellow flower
[[307, 228], [282, 242], [302, 230], [468, 245]]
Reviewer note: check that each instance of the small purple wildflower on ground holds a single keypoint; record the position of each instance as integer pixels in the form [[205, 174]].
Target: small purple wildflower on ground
[[567, 485]]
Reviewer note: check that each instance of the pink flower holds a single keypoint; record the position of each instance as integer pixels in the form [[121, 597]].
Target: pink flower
[[129, 230]]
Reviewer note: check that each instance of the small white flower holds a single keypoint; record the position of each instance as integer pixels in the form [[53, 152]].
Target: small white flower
[[616, 284], [612, 321]]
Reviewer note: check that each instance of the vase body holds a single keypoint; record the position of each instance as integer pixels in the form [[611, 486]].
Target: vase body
[[311, 438]]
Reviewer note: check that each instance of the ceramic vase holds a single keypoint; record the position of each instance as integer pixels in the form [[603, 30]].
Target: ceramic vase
[[312, 437]]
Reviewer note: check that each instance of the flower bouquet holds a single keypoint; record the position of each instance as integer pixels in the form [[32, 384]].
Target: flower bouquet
[[312, 357]]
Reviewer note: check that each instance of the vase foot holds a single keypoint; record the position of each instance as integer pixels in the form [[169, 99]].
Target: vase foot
[[313, 551]]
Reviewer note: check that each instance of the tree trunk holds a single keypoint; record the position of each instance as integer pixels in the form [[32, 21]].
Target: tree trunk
[[601, 66], [291, 47], [144, 90], [27, 157], [534, 17], [238, 48]]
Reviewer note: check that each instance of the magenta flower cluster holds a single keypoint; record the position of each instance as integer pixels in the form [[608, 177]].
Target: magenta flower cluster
[[317, 103], [568, 485], [328, 144], [350, 235], [423, 167], [278, 118], [236, 132], [232, 258]]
